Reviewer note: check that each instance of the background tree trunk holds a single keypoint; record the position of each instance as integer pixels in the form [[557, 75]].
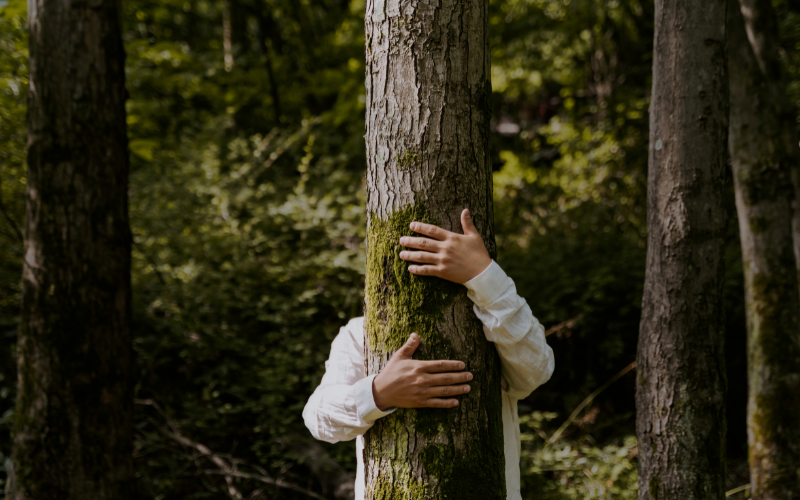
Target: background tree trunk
[[428, 92], [762, 166], [762, 28], [72, 427], [680, 396]]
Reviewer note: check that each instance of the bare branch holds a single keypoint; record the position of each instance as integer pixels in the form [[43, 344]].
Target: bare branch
[[588, 400], [267, 480], [561, 326], [226, 465]]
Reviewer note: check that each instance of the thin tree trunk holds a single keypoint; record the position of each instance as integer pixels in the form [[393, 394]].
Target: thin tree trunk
[[680, 396], [227, 43], [762, 167], [266, 28], [428, 92], [72, 427]]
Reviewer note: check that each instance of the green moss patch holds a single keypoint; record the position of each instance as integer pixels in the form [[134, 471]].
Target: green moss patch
[[398, 302], [408, 159]]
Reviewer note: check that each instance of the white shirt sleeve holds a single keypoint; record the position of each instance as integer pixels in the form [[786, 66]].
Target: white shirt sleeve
[[526, 360], [342, 407]]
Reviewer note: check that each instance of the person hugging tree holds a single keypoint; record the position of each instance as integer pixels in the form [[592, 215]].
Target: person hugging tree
[[348, 402]]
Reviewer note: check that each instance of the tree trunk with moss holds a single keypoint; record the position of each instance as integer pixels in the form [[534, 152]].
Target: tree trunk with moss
[[680, 394], [73, 419], [763, 160], [762, 28], [427, 139]]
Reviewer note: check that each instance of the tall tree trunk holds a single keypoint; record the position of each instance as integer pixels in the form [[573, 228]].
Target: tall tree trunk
[[680, 396], [428, 92], [227, 42], [72, 427], [762, 165], [761, 24]]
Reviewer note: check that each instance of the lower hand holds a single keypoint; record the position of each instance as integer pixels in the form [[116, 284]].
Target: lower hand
[[410, 383], [451, 256]]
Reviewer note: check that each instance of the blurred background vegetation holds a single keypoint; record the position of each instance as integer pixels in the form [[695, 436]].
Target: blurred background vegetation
[[247, 207]]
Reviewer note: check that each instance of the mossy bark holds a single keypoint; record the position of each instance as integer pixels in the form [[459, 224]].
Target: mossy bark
[[73, 419], [762, 168], [428, 158], [680, 394], [761, 24]]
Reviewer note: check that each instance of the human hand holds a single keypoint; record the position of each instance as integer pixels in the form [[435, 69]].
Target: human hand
[[451, 256], [410, 383]]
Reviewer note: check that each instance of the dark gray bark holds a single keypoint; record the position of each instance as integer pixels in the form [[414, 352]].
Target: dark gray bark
[[680, 394], [72, 427], [428, 92], [762, 162]]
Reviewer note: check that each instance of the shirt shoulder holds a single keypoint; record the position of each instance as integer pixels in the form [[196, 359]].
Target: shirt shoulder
[[355, 331]]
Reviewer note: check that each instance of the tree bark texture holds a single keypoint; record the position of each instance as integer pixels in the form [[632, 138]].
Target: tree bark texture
[[72, 427], [428, 92], [762, 162], [762, 28], [680, 395]]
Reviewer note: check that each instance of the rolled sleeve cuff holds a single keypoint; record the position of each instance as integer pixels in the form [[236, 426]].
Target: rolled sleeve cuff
[[487, 287], [365, 401]]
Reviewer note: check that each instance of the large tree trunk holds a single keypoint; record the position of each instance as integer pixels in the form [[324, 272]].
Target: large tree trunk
[[762, 164], [428, 94], [72, 427], [680, 396]]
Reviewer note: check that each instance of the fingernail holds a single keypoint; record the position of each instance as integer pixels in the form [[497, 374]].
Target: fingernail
[[403, 255], [467, 212], [469, 376], [466, 388], [403, 240], [455, 403], [461, 366]]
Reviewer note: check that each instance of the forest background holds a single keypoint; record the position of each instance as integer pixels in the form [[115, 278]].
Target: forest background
[[246, 122]]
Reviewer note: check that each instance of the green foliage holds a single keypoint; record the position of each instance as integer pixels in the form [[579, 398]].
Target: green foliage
[[577, 467], [13, 94], [570, 193], [247, 209]]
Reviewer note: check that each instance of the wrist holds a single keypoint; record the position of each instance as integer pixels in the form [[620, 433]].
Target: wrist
[[483, 266], [380, 402]]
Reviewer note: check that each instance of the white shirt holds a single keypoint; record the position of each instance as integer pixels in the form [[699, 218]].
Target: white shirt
[[342, 407]]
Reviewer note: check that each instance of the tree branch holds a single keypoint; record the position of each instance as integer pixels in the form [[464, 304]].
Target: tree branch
[[226, 466], [588, 400]]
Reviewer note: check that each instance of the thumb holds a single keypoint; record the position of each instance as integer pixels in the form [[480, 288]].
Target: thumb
[[408, 348], [467, 224]]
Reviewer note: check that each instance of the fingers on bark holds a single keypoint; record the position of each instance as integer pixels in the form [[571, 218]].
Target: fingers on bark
[[409, 347], [425, 270], [467, 224], [429, 230], [442, 366], [441, 403]]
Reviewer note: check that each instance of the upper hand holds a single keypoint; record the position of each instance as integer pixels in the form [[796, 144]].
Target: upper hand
[[410, 383], [451, 256]]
